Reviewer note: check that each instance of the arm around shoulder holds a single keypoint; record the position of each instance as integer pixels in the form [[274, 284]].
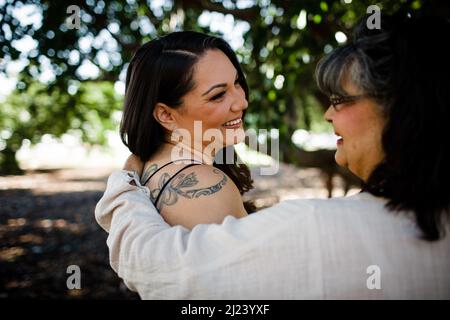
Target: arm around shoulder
[[209, 262]]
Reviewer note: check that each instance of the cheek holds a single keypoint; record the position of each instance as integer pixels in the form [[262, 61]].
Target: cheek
[[351, 123], [362, 136], [353, 128], [370, 130], [207, 116], [215, 116]]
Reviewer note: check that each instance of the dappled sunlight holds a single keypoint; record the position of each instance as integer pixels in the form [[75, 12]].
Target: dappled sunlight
[[293, 183], [75, 180], [44, 229], [31, 238], [15, 223], [12, 253], [60, 224]]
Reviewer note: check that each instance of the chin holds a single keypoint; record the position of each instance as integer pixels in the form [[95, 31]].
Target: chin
[[340, 160]]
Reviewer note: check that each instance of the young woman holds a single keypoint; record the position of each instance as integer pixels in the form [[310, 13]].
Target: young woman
[[185, 100]]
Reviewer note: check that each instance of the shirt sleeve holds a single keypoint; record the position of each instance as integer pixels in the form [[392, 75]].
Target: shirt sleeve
[[236, 259]]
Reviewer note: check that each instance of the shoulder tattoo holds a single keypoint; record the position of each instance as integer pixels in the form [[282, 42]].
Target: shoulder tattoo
[[148, 172], [183, 185]]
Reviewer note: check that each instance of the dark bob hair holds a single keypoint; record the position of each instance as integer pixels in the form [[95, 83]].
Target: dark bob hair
[[405, 67], [162, 71]]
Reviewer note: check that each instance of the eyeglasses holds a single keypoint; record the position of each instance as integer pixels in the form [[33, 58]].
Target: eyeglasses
[[338, 101]]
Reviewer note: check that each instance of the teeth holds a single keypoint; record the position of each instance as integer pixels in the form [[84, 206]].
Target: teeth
[[233, 122]]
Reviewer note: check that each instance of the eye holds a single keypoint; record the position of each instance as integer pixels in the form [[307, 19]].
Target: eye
[[347, 101], [218, 96], [337, 100]]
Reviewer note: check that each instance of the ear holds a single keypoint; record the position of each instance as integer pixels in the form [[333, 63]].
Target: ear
[[165, 116]]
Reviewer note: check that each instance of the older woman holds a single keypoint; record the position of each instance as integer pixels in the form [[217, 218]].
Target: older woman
[[389, 94]]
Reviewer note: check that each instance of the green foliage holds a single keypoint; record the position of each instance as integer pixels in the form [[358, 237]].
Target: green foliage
[[283, 44], [40, 110]]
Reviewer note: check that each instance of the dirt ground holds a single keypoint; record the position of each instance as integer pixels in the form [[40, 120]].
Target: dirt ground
[[47, 224]]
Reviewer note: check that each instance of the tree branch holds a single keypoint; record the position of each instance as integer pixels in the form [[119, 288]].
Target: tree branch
[[151, 16], [131, 47]]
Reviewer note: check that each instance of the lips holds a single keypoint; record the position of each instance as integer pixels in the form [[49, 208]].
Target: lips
[[340, 140]]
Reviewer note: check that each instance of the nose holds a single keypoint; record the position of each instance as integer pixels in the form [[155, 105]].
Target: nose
[[329, 114], [240, 102]]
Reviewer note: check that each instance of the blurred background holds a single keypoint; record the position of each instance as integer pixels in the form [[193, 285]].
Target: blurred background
[[62, 73]]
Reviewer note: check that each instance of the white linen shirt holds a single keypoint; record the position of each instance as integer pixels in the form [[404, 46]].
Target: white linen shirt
[[339, 248]]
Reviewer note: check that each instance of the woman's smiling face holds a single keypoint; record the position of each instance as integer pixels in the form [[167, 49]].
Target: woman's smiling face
[[359, 125], [217, 100]]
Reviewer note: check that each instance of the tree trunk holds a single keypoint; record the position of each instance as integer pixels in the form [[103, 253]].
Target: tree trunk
[[8, 162]]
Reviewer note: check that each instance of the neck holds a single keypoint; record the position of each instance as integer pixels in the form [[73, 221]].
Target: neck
[[184, 151]]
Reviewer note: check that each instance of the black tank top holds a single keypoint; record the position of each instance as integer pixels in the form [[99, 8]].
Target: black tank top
[[168, 181]]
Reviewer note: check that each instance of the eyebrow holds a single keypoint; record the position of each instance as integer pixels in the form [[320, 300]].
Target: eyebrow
[[220, 85]]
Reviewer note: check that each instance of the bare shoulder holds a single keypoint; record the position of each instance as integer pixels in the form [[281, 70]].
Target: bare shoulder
[[209, 175], [200, 194]]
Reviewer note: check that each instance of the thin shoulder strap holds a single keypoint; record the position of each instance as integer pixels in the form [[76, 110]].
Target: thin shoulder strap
[[168, 181], [148, 179]]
